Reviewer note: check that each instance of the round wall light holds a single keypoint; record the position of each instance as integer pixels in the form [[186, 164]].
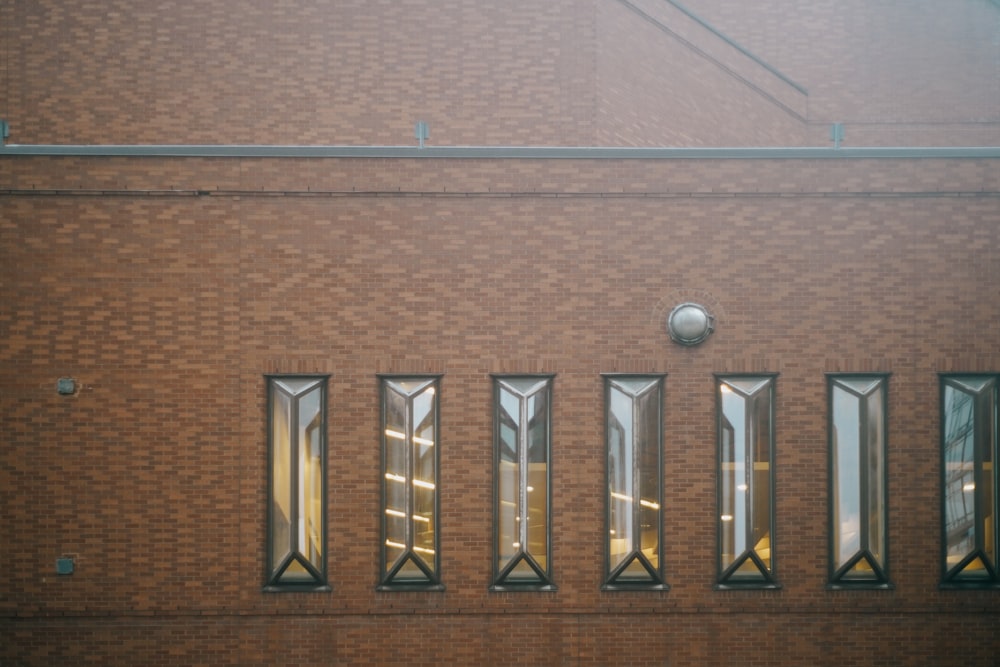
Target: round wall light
[[690, 324]]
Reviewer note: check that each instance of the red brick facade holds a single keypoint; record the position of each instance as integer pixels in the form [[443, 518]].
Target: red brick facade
[[167, 287]]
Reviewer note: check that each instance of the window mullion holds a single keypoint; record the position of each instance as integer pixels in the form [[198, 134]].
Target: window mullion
[[749, 472], [864, 542], [636, 491], [295, 465], [994, 408], [409, 474]]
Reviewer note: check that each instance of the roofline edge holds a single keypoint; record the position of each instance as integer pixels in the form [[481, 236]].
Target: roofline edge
[[490, 152]]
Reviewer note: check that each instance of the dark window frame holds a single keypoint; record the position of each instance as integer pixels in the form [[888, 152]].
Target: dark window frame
[[501, 580], [273, 571], [951, 577], [613, 579], [728, 577], [837, 575], [387, 577]]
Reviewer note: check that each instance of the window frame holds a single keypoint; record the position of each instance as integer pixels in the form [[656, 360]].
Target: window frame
[[320, 583], [726, 576], [500, 580], [837, 576], [386, 577], [951, 578], [612, 579]]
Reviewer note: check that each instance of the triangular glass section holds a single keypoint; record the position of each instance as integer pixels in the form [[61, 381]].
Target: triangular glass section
[[409, 572], [522, 573], [410, 387], [748, 386], [294, 387], [862, 385], [635, 571], [975, 568], [635, 386], [862, 570], [746, 569], [296, 572], [972, 383], [524, 386]]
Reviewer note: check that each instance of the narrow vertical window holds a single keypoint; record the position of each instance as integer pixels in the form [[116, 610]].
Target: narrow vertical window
[[297, 482], [522, 430], [746, 481], [858, 480], [410, 554], [969, 449], [633, 550]]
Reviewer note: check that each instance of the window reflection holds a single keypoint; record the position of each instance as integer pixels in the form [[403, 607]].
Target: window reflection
[[297, 444], [969, 422], [857, 459], [409, 455], [521, 481], [745, 479], [634, 473]]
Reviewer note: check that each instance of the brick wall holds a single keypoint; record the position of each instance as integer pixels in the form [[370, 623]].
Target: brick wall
[[600, 72], [168, 306], [917, 73]]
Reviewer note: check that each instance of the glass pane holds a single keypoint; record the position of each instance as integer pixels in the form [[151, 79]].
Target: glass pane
[[846, 444], [748, 570], [522, 573], [745, 474], [310, 478], [760, 511], [410, 572], [959, 476], [735, 479], [538, 476], [281, 488], [424, 476], [648, 444], [508, 480], [297, 479], [634, 572], [876, 475], [634, 478], [620, 476], [986, 448], [522, 414], [975, 569], [296, 573], [397, 506], [862, 570], [410, 498]]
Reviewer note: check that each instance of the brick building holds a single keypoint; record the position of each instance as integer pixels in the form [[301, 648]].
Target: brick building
[[281, 386]]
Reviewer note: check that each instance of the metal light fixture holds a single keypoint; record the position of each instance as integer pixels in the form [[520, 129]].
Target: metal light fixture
[[690, 324]]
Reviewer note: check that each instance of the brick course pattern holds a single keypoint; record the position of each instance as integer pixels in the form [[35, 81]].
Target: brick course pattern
[[168, 287], [569, 72]]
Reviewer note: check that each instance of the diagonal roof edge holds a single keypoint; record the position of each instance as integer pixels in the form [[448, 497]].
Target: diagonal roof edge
[[722, 52], [708, 26]]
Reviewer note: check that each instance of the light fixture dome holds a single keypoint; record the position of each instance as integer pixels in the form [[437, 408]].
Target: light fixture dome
[[690, 324]]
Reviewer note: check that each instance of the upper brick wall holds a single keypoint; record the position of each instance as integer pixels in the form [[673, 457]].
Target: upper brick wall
[[586, 72], [914, 73]]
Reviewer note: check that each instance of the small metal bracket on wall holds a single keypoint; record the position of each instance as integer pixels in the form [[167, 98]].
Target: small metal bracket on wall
[[422, 132], [837, 134]]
